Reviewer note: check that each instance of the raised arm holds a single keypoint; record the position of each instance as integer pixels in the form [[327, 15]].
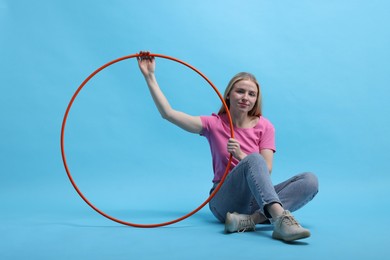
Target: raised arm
[[187, 122]]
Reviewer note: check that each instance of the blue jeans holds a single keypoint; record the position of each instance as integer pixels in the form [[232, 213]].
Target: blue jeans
[[248, 188]]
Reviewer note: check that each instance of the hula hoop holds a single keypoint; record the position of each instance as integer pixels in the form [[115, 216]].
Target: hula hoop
[[63, 143]]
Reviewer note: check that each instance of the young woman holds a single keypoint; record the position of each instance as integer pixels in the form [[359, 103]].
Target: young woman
[[247, 196]]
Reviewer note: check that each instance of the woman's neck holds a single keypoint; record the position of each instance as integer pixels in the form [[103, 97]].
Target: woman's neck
[[241, 120]]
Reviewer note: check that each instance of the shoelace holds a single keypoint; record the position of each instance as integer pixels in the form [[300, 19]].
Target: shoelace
[[245, 224], [290, 220]]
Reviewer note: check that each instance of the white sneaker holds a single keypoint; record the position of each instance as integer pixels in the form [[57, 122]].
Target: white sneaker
[[288, 229], [238, 223]]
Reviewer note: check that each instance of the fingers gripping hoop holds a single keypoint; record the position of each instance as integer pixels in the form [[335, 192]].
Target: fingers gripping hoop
[[63, 142]]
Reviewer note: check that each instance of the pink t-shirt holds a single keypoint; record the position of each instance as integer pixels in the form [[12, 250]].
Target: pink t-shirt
[[216, 129]]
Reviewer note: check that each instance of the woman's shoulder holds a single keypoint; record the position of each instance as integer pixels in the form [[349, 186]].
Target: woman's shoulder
[[264, 122], [210, 121], [212, 117]]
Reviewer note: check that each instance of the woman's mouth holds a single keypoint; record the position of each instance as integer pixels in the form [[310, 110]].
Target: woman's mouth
[[243, 105]]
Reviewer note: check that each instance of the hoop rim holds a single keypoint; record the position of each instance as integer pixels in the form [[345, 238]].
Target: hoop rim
[[63, 154]]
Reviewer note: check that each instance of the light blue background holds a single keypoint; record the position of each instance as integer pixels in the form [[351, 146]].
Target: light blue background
[[324, 71]]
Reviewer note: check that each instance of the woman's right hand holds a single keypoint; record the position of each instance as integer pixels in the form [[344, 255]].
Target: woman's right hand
[[146, 63]]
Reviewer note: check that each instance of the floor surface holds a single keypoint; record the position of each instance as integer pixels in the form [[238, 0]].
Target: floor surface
[[54, 223]]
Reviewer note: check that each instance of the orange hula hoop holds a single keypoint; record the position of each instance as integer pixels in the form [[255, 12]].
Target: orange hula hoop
[[63, 142]]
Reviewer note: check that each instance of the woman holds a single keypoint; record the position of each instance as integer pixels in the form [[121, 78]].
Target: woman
[[247, 189]]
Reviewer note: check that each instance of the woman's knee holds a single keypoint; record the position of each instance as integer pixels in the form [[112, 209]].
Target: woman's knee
[[255, 159], [311, 181], [254, 156]]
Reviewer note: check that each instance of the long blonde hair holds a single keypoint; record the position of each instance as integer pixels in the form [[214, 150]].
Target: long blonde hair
[[256, 110]]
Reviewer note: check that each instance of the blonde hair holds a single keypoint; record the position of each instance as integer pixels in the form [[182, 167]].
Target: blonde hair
[[256, 110]]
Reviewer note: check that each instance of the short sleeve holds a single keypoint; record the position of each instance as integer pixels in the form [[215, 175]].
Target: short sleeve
[[267, 140], [207, 124]]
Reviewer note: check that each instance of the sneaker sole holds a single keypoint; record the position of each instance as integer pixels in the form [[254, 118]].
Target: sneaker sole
[[302, 235]]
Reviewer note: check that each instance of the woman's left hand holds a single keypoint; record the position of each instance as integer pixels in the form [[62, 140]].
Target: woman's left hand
[[233, 147]]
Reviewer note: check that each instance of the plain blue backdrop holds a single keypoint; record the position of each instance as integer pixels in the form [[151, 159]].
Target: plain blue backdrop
[[324, 72]]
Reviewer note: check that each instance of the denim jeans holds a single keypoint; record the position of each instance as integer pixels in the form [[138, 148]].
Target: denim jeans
[[248, 188]]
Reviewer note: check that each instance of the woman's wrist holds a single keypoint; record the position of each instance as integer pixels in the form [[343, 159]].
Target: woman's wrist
[[150, 77], [241, 156]]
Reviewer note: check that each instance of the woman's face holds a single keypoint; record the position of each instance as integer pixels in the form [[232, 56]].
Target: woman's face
[[243, 96]]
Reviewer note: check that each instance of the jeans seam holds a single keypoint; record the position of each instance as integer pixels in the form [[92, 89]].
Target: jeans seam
[[261, 191]]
